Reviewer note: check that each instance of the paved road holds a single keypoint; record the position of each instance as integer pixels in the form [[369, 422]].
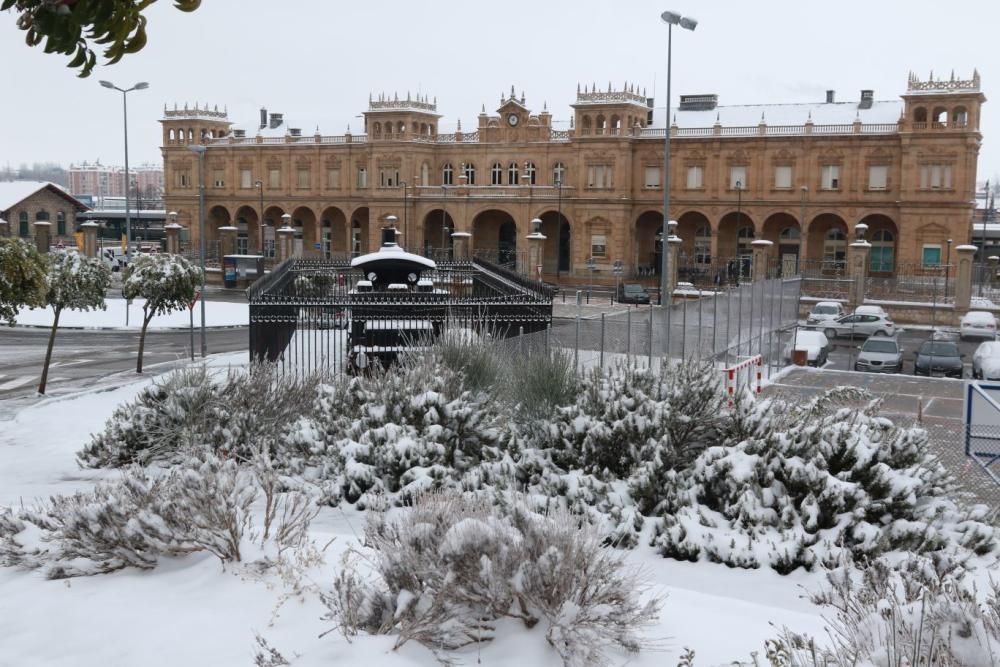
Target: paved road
[[80, 357]]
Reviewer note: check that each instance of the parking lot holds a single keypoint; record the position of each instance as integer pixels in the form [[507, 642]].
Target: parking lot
[[845, 351]]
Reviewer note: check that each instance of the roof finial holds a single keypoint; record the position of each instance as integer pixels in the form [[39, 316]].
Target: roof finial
[[522, 96], [571, 123], [459, 124], [952, 74], [716, 117], [511, 91], [483, 110], [545, 105], [577, 87]]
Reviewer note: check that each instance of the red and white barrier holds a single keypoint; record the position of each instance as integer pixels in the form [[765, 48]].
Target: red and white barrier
[[733, 374]]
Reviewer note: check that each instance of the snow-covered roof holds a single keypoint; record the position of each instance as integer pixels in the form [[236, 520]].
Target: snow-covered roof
[[744, 115], [14, 192], [392, 252]]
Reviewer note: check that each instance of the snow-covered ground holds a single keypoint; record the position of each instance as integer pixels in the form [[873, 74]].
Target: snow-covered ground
[[217, 314], [192, 611]]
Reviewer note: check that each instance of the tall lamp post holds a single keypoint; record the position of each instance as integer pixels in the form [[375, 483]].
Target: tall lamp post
[[947, 270], [559, 225], [444, 216], [259, 184], [199, 150], [688, 23], [739, 219], [406, 219], [142, 85]]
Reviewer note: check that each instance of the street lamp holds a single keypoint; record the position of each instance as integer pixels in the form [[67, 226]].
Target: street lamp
[[947, 271], [444, 215], [688, 23], [259, 184], [559, 225], [199, 150], [739, 218], [142, 85]]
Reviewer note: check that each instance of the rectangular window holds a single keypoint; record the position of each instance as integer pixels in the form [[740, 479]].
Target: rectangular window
[[696, 178], [878, 177], [652, 177], [737, 178], [274, 179], [303, 179], [181, 179], [783, 177], [362, 177], [598, 245], [388, 178], [946, 177], [333, 179], [931, 257], [935, 177], [219, 178], [246, 179], [599, 176], [830, 177]]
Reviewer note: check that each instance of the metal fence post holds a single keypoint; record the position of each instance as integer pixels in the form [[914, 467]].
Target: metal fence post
[[666, 339], [649, 340], [576, 346], [729, 318], [602, 341], [700, 308], [628, 337]]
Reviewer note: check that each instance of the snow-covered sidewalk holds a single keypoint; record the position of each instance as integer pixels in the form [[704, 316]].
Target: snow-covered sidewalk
[[217, 314]]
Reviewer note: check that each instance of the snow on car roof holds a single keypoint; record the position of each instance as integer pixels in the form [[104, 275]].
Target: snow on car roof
[[978, 316]]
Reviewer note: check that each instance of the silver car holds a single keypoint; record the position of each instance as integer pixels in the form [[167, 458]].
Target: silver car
[[880, 355], [860, 325], [986, 361]]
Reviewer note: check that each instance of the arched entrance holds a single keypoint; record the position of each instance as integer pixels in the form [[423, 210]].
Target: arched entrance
[[333, 232], [648, 243], [359, 232], [826, 243], [218, 216], [306, 236], [558, 257], [272, 221], [695, 257], [784, 231], [248, 237], [494, 236], [437, 242], [883, 235], [736, 232]]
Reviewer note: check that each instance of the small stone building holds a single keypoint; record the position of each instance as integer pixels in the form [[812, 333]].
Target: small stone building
[[23, 203]]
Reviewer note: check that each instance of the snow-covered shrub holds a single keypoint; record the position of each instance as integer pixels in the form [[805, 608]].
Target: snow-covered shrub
[[899, 616], [538, 383], [450, 566], [22, 278], [812, 483], [312, 285], [472, 358]]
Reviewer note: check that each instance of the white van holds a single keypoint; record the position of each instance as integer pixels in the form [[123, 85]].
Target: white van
[[114, 258]]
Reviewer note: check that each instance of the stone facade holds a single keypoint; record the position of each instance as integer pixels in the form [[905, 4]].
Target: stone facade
[[802, 179], [46, 204]]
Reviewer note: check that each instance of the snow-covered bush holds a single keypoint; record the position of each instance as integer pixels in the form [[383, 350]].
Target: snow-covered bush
[[22, 278], [899, 616], [201, 505], [813, 483], [450, 566], [540, 382]]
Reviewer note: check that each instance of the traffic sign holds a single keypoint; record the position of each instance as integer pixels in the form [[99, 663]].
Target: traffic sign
[[317, 245]]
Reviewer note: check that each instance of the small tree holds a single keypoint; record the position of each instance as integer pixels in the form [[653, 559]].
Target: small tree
[[22, 278], [167, 283], [75, 282]]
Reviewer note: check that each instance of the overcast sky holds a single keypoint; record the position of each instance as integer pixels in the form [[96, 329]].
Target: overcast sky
[[317, 61]]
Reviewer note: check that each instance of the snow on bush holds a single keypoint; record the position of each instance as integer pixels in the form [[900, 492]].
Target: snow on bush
[[798, 486], [449, 567], [201, 505], [896, 615]]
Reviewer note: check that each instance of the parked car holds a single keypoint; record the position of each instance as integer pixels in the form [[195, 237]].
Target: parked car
[[939, 358], [825, 311], [986, 361], [114, 258], [632, 293], [815, 344], [880, 355], [872, 310], [978, 324], [860, 325]]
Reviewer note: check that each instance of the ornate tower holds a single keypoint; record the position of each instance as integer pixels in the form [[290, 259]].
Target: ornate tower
[[610, 112], [393, 119]]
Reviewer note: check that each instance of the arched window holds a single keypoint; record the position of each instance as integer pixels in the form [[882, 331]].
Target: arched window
[[512, 174], [883, 247], [790, 235], [22, 224], [585, 124], [835, 249], [447, 174], [920, 115], [416, 128], [959, 117], [600, 125], [190, 136], [530, 172], [703, 246], [616, 124], [42, 216], [558, 174], [61, 223], [171, 135], [424, 130], [744, 237], [377, 129], [496, 174], [401, 128], [940, 117], [469, 171]]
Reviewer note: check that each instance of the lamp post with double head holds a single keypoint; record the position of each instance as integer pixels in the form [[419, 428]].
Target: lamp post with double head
[[142, 85], [199, 150], [558, 224], [688, 23]]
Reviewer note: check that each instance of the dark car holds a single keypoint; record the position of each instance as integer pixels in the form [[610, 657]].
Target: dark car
[[632, 293], [938, 358]]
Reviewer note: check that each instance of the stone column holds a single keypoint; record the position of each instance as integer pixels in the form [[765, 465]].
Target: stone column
[[460, 240], [173, 231], [759, 261], [963, 278], [4, 228], [89, 238], [536, 249], [857, 271], [674, 248], [42, 231], [285, 236], [227, 238]]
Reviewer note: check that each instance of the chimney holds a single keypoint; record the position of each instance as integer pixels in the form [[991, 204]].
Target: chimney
[[239, 133], [263, 118], [276, 120], [295, 132], [867, 97], [830, 95]]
